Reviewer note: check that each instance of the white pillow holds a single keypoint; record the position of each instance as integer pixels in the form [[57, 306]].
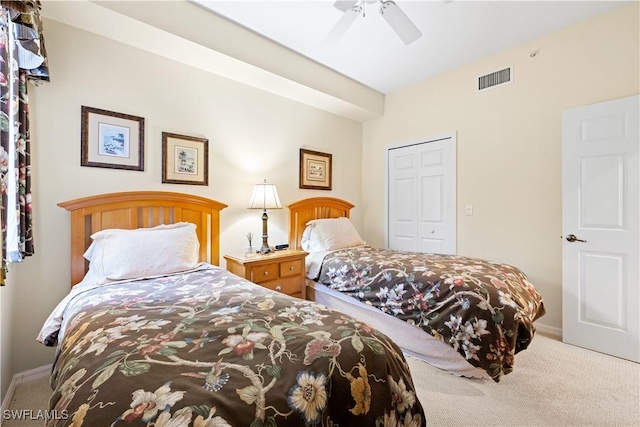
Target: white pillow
[[336, 233], [311, 241], [118, 254], [88, 255]]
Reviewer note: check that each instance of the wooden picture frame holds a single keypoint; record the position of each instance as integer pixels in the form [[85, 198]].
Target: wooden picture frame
[[315, 170], [111, 140], [185, 159]]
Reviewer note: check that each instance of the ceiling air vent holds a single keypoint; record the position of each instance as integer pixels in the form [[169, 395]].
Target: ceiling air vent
[[496, 78]]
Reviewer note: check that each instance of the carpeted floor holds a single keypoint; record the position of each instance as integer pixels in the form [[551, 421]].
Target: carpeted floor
[[34, 396], [553, 384]]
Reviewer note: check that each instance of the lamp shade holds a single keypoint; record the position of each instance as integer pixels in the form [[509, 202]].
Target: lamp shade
[[265, 196]]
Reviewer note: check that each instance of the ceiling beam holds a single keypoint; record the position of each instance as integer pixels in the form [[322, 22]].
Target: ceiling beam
[[186, 32]]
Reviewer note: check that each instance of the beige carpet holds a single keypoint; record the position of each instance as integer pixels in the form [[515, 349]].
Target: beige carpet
[[32, 396], [553, 384]]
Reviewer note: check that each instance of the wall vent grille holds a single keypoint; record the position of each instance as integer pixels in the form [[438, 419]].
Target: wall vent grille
[[495, 78]]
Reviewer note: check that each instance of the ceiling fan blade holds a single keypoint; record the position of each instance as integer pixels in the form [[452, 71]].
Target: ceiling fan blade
[[345, 5], [342, 25], [399, 22]]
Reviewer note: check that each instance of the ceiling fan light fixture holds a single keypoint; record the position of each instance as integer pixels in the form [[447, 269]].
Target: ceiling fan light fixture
[[399, 22]]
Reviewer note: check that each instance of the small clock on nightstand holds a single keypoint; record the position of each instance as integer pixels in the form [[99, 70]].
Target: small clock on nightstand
[[282, 271]]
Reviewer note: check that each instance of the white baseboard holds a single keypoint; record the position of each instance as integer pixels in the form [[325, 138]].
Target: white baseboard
[[23, 377], [550, 331]]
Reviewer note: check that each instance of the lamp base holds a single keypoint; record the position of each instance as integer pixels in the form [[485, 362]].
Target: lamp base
[[265, 249]]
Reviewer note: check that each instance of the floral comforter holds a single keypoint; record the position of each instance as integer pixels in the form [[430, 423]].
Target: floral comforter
[[484, 310], [208, 348]]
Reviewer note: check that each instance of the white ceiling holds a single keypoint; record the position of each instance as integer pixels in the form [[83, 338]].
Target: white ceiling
[[454, 33]]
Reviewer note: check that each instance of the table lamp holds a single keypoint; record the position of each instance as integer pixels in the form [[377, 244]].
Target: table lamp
[[265, 196]]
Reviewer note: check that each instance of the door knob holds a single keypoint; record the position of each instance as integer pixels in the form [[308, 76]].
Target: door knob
[[572, 238]]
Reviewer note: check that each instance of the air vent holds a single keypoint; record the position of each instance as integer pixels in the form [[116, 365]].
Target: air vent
[[496, 78]]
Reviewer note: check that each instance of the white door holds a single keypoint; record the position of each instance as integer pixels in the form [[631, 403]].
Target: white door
[[422, 196], [601, 228]]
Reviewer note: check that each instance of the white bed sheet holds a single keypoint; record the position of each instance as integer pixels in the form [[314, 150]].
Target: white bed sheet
[[412, 340]]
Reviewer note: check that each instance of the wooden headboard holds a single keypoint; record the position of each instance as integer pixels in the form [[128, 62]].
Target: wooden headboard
[[137, 209], [305, 210]]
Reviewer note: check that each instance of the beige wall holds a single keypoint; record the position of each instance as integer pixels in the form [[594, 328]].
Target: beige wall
[[509, 141], [6, 358], [252, 135]]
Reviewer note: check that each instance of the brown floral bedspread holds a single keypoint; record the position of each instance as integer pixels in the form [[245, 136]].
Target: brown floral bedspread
[[484, 310], [211, 349]]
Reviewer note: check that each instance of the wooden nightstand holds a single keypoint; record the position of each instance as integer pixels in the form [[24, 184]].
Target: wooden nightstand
[[282, 271]]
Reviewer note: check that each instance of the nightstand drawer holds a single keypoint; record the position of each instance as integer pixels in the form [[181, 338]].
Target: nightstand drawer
[[264, 273], [290, 286], [291, 268]]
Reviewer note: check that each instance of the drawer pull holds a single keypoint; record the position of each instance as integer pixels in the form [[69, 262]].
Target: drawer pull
[[266, 273], [279, 288], [291, 268]]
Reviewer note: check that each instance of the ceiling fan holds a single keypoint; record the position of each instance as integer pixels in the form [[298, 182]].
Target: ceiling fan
[[391, 12]]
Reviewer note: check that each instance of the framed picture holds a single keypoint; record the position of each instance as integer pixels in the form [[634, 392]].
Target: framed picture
[[185, 159], [111, 140], [315, 170]]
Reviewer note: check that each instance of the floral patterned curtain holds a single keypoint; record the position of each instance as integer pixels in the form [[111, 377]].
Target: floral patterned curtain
[[22, 58]]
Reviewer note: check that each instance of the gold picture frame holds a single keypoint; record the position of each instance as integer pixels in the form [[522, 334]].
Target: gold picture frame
[[185, 159], [111, 140], [315, 170]]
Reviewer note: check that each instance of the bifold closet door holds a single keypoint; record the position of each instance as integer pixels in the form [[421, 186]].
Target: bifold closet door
[[422, 197]]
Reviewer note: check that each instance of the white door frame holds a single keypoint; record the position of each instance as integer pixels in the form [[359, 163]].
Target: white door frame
[[452, 137]]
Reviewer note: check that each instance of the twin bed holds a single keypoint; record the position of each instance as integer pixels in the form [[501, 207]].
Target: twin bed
[[153, 332], [465, 315], [156, 334]]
